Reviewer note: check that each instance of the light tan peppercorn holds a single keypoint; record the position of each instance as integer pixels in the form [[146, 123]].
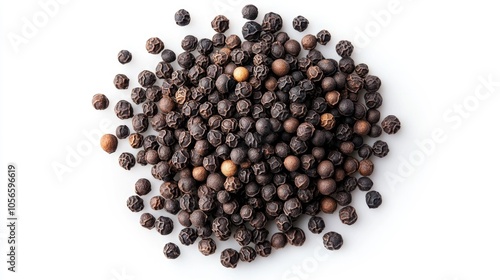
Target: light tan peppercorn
[[241, 74], [228, 168], [291, 124], [332, 98], [291, 163], [328, 205], [327, 121], [200, 173], [280, 67], [362, 127], [109, 143], [365, 167], [309, 42]]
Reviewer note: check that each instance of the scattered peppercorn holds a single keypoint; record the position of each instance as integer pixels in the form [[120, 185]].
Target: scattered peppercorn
[[100, 101], [182, 17]]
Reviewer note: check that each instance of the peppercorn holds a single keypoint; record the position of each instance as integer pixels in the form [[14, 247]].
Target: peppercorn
[[365, 167], [182, 17], [100, 101], [328, 205], [109, 143], [309, 42], [391, 124]]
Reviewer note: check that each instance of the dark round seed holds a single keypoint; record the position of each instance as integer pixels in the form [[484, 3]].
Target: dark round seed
[[147, 220], [373, 199], [250, 12], [182, 17], [164, 225], [332, 240], [100, 101], [348, 215], [391, 124], [316, 224], [124, 56], [229, 258], [300, 23], [207, 246], [171, 251], [121, 81]]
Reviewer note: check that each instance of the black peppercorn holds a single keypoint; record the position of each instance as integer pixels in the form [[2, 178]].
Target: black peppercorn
[[121, 81], [100, 101], [348, 215], [171, 251], [391, 124], [182, 17], [316, 224], [229, 258], [164, 225], [373, 199], [300, 23], [207, 246], [147, 220], [332, 240]]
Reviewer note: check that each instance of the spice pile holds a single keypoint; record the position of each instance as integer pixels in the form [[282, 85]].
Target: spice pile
[[249, 136]]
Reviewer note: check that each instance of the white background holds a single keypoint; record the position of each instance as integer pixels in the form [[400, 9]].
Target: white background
[[439, 219]]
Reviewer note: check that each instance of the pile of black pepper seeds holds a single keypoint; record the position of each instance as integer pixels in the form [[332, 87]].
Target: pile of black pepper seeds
[[250, 136]]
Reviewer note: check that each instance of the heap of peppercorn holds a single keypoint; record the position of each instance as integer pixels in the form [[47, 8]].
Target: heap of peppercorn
[[250, 131]]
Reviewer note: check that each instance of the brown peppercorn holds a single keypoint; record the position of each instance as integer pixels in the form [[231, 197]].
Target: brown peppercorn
[[362, 127], [332, 97], [157, 202], [241, 74], [327, 121], [365, 167], [228, 168], [109, 143], [290, 125], [280, 67], [346, 147], [326, 186], [200, 173], [325, 169], [136, 140], [166, 104], [100, 101], [351, 165], [328, 205], [309, 42], [154, 45], [291, 163], [292, 47]]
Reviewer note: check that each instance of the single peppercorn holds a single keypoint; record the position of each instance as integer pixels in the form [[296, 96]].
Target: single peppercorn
[[100, 101], [207, 246], [309, 42], [250, 12], [126, 160], [121, 81], [348, 215], [164, 225], [332, 240], [300, 23], [316, 224], [323, 37], [109, 143], [391, 124], [380, 149], [124, 56], [182, 17], [154, 45], [147, 220], [171, 251], [373, 199]]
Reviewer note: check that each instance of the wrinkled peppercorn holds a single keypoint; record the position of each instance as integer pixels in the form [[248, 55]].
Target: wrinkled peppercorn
[[182, 17]]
